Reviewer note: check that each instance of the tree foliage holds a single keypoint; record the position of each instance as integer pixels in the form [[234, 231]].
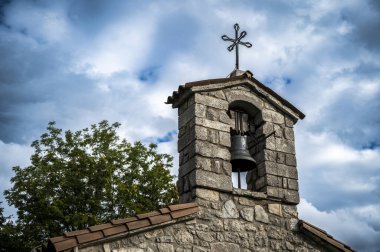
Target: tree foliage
[[83, 178]]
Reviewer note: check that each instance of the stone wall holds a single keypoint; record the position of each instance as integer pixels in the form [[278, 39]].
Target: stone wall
[[240, 221], [204, 142]]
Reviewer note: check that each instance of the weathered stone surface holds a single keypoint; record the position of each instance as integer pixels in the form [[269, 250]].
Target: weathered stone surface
[[288, 121], [235, 95], [212, 180], [164, 247], [247, 213], [275, 209], [211, 101], [206, 194], [207, 149], [184, 237], [284, 145], [260, 214], [212, 124], [229, 210], [224, 247], [289, 133], [225, 139], [290, 159]]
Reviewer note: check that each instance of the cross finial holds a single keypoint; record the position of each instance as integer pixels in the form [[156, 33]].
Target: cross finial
[[236, 42]]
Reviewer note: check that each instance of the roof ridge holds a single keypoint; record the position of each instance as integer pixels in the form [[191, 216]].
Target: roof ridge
[[72, 239], [322, 234]]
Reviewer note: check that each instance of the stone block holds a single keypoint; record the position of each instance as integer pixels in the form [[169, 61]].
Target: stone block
[[218, 94], [260, 183], [289, 133], [211, 101], [247, 214], [186, 116], [212, 124], [187, 167], [289, 211], [292, 184], [278, 117], [213, 181], [286, 171], [229, 210], [224, 118], [164, 247], [199, 133], [224, 247], [213, 136], [212, 114], [244, 95], [284, 145], [207, 149], [266, 115], [184, 237], [206, 194], [225, 139], [260, 214], [272, 191], [278, 131], [270, 143], [280, 158], [291, 196], [275, 209], [289, 122], [246, 201], [290, 159], [273, 180]]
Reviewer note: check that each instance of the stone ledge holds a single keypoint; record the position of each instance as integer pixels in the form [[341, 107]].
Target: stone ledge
[[247, 193]]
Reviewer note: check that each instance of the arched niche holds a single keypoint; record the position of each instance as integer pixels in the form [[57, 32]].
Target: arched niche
[[244, 117]]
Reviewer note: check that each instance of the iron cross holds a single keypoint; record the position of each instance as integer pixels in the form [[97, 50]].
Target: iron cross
[[236, 42]]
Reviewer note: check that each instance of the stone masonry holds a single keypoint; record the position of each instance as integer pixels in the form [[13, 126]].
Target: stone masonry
[[261, 218], [239, 221], [204, 141]]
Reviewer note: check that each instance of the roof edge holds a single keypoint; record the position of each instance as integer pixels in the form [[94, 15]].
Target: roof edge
[[312, 230]]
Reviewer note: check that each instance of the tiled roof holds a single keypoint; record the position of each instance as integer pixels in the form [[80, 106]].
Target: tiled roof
[[316, 232], [246, 75], [72, 239]]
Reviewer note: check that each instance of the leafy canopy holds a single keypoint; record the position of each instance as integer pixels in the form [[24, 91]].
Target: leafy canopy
[[87, 177]]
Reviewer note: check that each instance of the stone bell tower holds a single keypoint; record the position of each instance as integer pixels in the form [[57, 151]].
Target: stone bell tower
[[206, 119]]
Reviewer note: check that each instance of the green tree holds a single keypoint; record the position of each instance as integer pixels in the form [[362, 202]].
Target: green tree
[[83, 178], [11, 239]]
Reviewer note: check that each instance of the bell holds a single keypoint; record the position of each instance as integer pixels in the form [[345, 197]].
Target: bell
[[241, 160]]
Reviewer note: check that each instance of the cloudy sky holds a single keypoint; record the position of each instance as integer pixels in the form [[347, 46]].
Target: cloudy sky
[[79, 62]]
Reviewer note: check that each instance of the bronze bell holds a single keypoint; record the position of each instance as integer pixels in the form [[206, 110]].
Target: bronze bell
[[241, 160]]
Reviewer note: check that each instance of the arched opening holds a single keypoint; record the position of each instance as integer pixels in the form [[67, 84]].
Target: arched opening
[[243, 138]]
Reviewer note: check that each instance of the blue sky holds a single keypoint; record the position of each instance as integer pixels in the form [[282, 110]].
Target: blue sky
[[79, 62]]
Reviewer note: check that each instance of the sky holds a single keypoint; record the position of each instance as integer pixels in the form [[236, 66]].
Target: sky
[[80, 62]]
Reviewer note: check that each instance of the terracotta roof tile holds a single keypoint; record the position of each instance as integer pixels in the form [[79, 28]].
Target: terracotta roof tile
[[145, 215], [115, 230], [138, 224], [123, 221], [72, 239], [57, 239], [323, 235], [182, 206], [164, 210], [160, 219], [100, 227], [184, 212], [90, 237], [77, 232], [65, 244]]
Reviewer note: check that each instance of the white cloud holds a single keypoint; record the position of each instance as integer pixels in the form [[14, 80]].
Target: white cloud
[[344, 224]]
